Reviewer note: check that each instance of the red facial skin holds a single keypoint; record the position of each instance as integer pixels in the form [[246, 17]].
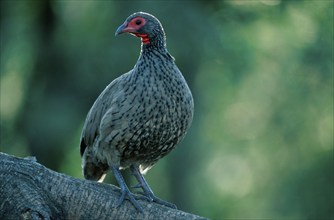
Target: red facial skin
[[133, 26]]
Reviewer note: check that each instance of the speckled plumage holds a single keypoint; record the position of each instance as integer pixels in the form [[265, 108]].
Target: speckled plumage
[[141, 115]]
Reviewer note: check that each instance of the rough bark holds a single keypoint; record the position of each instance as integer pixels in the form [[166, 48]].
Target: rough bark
[[28, 190]]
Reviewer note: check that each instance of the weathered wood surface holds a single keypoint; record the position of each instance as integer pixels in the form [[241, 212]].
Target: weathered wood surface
[[28, 190]]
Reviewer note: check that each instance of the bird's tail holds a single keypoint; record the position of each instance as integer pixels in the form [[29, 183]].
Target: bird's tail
[[93, 170]]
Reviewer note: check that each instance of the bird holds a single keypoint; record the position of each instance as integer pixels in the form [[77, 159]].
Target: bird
[[140, 116]]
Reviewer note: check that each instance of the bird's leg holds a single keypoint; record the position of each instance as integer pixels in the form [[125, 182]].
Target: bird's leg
[[146, 188], [124, 189]]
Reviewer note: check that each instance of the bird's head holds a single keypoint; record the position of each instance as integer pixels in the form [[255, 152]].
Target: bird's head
[[142, 25]]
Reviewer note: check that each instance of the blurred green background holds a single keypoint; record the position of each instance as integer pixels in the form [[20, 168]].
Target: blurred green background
[[261, 72]]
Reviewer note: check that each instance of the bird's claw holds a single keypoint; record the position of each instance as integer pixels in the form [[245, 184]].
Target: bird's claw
[[153, 198], [129, 196], [138, 185], [142, 196], [162, 202]]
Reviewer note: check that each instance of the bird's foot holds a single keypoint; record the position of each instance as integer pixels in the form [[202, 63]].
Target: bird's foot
[[161, 202], [138, 185], [152, 198], [127, 194], [148, 193]]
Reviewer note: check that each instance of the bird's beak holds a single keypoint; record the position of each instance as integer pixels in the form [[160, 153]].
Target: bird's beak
[[124, 28]]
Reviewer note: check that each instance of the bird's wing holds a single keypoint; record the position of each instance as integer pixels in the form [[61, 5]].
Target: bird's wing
[[101, 106]]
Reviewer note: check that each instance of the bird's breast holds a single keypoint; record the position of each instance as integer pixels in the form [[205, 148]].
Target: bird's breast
[[159, 104]]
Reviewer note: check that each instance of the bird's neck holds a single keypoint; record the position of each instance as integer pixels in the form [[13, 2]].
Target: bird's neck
[[154, 50], [152, 56], [154, 44], [152, 53]]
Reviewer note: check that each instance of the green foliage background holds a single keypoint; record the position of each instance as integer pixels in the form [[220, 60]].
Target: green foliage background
[[261, 72]]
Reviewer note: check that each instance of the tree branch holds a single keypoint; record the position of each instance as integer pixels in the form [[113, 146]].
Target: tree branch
[[28, 190]]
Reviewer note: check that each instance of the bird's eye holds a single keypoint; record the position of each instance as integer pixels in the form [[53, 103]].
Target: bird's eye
[[138, 22]]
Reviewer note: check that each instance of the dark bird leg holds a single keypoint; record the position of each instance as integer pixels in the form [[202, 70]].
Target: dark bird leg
[[146, 188], [124, 189]]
